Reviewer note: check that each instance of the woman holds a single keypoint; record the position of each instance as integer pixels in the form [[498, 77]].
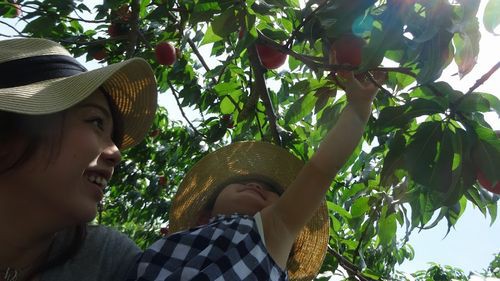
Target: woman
[[61, 128]]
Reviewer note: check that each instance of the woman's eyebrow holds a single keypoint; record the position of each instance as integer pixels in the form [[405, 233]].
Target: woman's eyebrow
[[104, 110]]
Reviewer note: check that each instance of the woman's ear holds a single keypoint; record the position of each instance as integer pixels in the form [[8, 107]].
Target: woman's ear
[[203, 218]]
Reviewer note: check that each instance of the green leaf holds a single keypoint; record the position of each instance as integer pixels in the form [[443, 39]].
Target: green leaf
[[398, 117], [387, 226], [225, 23], [338, 209], [226, 106], [226, 87], [440, 178], [300, 108], [360, 207], [394, 158], [466, 51], [488, 159], [492, 209], [42, 26], [493, 100], [491, 18], [435, 53], [472, 103], [422, 150], [210, 37]]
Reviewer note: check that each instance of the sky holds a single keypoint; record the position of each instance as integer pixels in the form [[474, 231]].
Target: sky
[[472, 244]]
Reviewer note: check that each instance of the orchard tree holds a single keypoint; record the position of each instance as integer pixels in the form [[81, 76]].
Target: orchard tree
[[274, 71]]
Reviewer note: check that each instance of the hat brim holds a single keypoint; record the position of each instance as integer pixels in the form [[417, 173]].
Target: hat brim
[[259, 160], [130, 84]]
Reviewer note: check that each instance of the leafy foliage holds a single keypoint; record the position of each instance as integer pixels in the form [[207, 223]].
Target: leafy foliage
[[440, 273], [422, 148]]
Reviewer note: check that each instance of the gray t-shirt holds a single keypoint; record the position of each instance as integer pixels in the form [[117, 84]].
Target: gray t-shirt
[[106, 255]]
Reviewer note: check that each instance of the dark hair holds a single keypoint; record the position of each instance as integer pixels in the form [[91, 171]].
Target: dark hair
[[31, 131]]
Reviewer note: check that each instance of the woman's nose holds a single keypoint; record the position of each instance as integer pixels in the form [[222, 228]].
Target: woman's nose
[[112, 155]]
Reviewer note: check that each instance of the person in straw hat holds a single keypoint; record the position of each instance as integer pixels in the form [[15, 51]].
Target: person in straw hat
[[61, 131], [253, 211]]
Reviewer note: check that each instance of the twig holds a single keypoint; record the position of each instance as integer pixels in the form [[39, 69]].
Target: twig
[[351, 268], [174, 92], [84, 20], [261, 88], [200, 57], [95, 42], [384, 90], [316, 62], [207, 69], [483, 78], [289, 42], [15, 29]]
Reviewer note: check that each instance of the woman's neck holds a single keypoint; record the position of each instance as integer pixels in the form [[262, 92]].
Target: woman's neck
[[25, 236]]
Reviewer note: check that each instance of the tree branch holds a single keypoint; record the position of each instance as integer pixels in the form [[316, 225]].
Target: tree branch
[[84, 20], [207, 69], [261, 88], [95, 42], [174, 92], [316, 63], [483, 78], [19, 33], [348, 266], [200, 57]]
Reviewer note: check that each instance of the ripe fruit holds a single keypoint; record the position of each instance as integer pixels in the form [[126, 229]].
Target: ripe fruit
[[162, 181], [123, 13], [117, 29], [154, 133], [165, 53], [99, 54], [487, 184], [347, 50], [164, 231], [270, 57], [227, 120]]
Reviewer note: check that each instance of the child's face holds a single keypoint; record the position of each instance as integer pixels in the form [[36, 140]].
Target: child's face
[[246, 198]]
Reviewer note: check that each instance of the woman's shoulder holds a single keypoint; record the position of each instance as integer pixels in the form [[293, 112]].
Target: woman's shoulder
[[105, 235], [106, 254]]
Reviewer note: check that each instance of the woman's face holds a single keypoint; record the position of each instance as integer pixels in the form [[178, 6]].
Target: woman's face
[[69, 183], [245, 198]]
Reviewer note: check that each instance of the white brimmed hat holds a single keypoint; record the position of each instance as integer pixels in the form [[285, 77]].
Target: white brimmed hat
[[39, 76]]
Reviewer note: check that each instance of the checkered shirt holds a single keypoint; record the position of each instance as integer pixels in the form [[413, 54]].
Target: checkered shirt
[[227, 248]]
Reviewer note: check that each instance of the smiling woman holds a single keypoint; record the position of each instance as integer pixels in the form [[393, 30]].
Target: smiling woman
[[61, 131]]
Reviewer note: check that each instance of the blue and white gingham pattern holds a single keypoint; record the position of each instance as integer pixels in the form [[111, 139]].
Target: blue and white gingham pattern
[[228, 248]]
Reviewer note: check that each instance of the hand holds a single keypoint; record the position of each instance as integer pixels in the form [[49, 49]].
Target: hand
[[360, 94]]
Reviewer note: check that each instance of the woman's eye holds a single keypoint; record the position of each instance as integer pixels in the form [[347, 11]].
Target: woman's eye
[[98, 122]]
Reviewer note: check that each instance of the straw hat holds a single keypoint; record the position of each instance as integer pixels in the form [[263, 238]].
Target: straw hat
[[39, 76], [258, 160]]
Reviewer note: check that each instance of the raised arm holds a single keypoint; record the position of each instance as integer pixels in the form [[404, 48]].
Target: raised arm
[[285, 219]]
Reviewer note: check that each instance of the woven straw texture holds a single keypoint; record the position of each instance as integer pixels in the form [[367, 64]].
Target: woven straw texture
[[131, 85], [252, 160]]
